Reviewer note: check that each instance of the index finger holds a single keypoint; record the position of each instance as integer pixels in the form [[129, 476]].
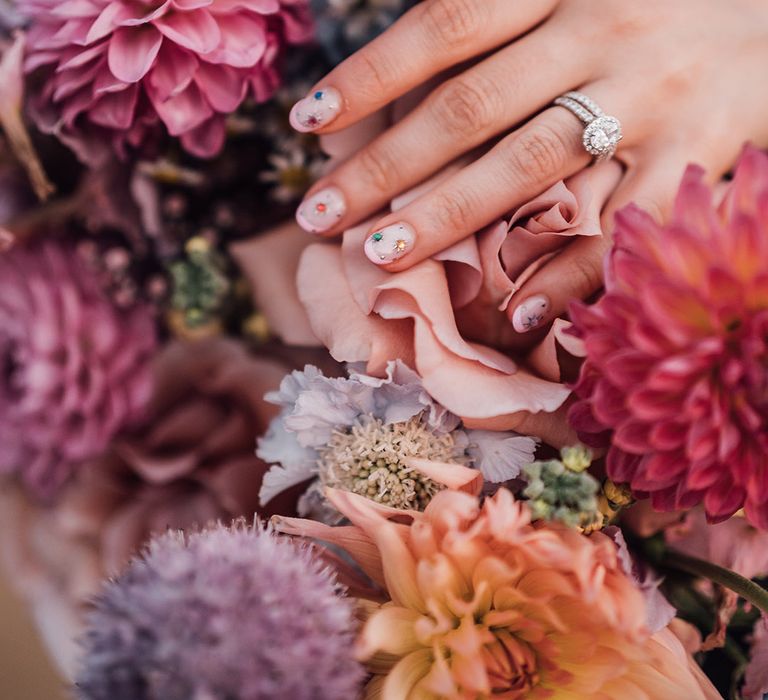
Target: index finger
[[433, 36]]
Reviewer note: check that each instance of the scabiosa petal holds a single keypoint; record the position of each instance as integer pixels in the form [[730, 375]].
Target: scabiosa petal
[[227, 614]]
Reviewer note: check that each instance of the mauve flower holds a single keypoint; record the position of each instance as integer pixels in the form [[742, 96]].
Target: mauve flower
[[733, 544], [191, 461], [676, 376], [123, 67], [756, 676], [74, 369], [387, 439], [484, 604], [224, 614]]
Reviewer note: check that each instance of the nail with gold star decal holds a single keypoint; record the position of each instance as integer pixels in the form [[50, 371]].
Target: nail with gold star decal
[[321, 211], [390, 243], [317, 109]]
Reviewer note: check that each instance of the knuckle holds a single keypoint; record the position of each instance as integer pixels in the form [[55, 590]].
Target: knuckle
[[453, 211], [375, 75], [538, 153], [452, 22], [377, 169], [587, 274], [464, 107]]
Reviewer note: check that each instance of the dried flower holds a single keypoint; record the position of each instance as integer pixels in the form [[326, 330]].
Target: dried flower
[[121, 69], [74, 369], [225, 614], [676, 376], [484, 604]]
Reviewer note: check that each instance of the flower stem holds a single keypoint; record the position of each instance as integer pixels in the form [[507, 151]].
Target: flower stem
[[745, 588]]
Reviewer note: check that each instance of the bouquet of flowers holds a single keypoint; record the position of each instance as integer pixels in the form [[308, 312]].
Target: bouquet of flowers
[[241, 464]]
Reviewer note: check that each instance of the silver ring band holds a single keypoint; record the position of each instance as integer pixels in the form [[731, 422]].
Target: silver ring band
[[602, 132]]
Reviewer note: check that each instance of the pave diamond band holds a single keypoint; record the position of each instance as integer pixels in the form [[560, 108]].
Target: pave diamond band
[[602, 133]]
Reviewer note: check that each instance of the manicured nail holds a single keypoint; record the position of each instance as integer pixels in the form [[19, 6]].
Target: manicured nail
[[530, 314], [390, 243], [322, 210], [317, 109]]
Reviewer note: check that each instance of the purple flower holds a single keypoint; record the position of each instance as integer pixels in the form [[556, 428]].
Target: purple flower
[[74, 370], [225, 614], [359, 434]]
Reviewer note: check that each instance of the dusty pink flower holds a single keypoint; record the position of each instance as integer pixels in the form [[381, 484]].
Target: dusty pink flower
[[482, 603], [74, 370], [676, 376], [448, 317], [756, 676], [191, 461], [125, 66], [733, 544]]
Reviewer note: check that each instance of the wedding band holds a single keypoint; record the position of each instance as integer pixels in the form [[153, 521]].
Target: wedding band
[[602, 132]]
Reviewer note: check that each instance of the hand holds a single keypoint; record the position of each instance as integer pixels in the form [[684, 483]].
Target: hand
[[685, 78]]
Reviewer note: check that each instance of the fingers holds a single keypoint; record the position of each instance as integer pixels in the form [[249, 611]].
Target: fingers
[[434, 35], [577, 271], [524, 164], [463, 113]]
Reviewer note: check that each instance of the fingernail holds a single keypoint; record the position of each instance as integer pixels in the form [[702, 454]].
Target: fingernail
[[322, 210], [317, 109], [530, 314], [390, 243]]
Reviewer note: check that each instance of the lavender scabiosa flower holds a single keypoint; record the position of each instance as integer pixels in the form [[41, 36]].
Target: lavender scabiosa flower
[[233, 613], [361, 434]]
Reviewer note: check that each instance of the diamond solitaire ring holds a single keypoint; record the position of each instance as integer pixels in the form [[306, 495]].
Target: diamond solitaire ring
[[602, 133]]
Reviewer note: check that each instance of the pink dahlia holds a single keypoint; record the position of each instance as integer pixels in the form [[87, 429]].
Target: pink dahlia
[[676, 375], [74, 370], [125, 66]]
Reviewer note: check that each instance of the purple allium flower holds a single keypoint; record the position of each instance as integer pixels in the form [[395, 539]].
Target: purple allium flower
[[233, 613], [358, 433]]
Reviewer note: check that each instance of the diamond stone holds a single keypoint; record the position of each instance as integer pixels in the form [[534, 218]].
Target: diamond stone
[[601, 136]]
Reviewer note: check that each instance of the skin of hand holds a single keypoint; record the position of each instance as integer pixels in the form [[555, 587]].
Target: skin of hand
[[686, 78]]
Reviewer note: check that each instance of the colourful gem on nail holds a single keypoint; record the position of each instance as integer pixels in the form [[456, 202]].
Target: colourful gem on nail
[[320, 208], [401, 245], [319, 95], [377, 236]]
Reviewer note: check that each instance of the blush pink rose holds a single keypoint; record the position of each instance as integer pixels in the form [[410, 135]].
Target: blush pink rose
[[448, 316]]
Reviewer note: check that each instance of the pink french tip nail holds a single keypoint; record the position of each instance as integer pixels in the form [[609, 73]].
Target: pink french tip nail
[[317, 109], [390, 243], [321, 211], [530, 314]]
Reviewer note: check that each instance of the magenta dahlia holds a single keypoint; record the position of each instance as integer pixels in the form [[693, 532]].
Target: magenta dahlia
[[676, 375], [126, 66], [74, 370]]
